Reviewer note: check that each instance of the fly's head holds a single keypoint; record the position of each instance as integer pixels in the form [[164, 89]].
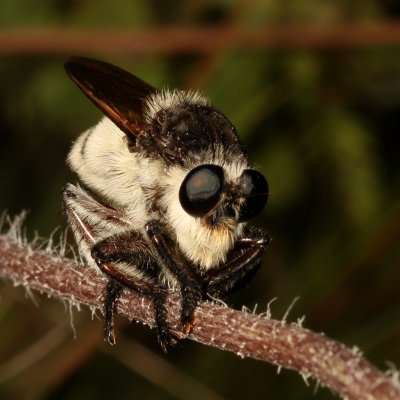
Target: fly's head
[[207, 192]]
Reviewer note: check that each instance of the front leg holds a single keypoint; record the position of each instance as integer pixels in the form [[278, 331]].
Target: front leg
[[190, 288], [243, 264]]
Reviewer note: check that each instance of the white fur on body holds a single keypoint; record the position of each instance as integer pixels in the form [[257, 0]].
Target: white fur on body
[[101, 159], [90, 222]]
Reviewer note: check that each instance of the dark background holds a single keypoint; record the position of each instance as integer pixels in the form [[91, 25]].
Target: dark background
[[320, 120]]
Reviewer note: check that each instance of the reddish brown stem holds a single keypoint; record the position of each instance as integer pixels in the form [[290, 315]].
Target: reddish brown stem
[[286, 345], [205, 40]]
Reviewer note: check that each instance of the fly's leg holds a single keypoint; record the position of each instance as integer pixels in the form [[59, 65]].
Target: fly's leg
[[190, 287], [241, 267], [124, 256]]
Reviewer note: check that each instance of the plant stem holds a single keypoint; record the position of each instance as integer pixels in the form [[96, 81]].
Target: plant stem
[[287, 345]]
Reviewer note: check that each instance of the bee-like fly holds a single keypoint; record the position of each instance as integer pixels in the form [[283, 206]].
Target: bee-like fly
[[164, 195]]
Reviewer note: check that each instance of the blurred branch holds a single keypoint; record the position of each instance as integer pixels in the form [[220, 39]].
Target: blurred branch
[[197, 39], [286, 345]]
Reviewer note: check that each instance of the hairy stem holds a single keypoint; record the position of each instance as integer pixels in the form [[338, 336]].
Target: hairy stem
[[288, 345]]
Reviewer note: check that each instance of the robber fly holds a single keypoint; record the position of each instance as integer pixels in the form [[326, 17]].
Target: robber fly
[[165, 190]]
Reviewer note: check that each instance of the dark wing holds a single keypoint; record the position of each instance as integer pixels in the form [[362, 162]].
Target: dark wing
[[115, 91]]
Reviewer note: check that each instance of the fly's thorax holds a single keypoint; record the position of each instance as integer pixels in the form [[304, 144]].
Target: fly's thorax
[[181, 125]]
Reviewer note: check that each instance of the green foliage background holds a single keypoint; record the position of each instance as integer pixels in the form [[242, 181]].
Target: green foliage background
[[321, 125]]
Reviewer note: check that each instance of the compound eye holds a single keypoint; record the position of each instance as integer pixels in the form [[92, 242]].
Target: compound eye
[[201, 189], [255, 192]]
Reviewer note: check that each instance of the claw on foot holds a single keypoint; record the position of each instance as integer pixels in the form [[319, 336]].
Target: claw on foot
[[110, 338], [188, 326], [177, 335], [169, 339]]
